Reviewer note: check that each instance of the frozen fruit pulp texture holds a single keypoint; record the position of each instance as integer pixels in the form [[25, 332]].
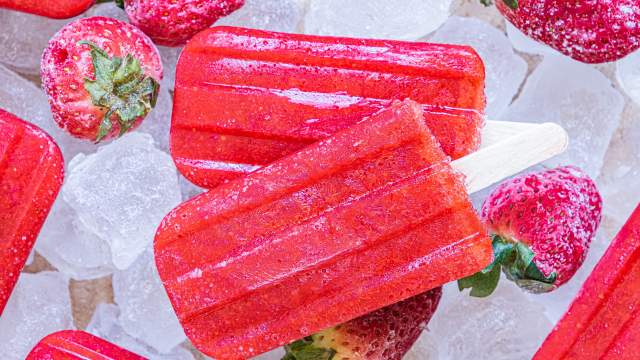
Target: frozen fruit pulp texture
[[365, 218], [245, 98], [73, 344], [603, 322], [31, 173], [58, 9]]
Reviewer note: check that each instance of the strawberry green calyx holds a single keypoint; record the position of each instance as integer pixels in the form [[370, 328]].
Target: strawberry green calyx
[[121, 87], [120, 3], [515, 259], [512, 4], [306, 349]]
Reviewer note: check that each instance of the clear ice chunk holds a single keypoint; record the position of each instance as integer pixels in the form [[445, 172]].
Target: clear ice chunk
[[145, 310], [122, 192], [384, 19], [505, 70], [105, 324], [39, 305], [272, 15], [579, 98]]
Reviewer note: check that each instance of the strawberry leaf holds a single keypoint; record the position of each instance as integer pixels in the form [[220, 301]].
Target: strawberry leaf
[[512, 4], [486, 2], [484, 282], [121, 88], [305, 349]]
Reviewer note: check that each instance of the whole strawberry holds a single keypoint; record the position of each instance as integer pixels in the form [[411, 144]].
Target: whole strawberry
[[543, 224], [174, 22], [591, 31], [385, 334], [102, 77]]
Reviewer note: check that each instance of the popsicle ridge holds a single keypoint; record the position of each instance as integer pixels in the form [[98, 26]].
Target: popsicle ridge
[[31, 173], [313, 224], [608, 300], [251, 97]]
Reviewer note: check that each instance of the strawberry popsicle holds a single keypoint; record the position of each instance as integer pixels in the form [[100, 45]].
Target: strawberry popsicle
[[245, 98], [603, 321], [75, 344], [365, 218], [31, 173]]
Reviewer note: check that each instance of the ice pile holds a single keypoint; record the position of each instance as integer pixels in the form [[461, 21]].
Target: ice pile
[[505, 70], [116, 196], [505, 326], [23, 38], [39, 305], [620, 180], [145, 310], [158, 121], [105, 325], [628, 75], [22, 98], [579, 98], [384, 19], [522, 42], [273, 15]]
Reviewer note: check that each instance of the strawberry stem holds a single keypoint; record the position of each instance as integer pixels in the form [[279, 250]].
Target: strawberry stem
[[305, 349], [515, 259], [121, 87]]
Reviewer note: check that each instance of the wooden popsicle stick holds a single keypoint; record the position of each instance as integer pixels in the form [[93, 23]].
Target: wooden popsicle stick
[[502, 157], [496, 131]]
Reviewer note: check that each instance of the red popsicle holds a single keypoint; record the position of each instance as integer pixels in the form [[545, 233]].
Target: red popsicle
[[603, 321], [73, 344], [58, 9], [245, 98], [365, 218], [31, 173]]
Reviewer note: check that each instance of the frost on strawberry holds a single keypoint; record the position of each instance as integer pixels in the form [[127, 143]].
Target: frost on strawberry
[[384, 334], [174, 22], [101, 76], [120, 87], [543, 224], [589, 31]]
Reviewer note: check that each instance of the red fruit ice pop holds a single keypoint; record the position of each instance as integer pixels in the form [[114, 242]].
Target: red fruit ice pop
[[31, 173], [58, 9], [603, 321], [370, 216], [74, 344], [245, 98]]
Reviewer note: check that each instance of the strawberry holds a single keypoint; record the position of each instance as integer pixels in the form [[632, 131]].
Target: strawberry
[[174, 22], [543, 224], [385, 334], [591, 31], [102, 77]]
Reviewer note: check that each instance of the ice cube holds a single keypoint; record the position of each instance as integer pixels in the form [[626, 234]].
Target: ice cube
[[22, 98], [620, 179], [628, 75], [188, 189], [273, 15], [578, 97], [524, 43], [71, 248], [385, 19], [276, 354], [158, 122], [105, 324], [505, 326], [145, 310], [169, 56], [23, 38], [505, 70], [39, 305], [121, 193]]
